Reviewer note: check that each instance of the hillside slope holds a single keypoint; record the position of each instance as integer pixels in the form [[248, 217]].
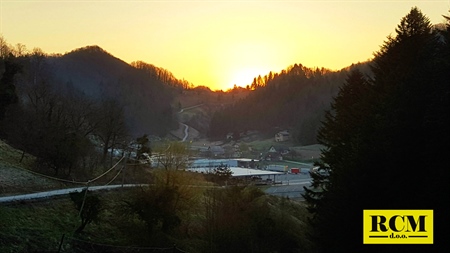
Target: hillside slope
[[100, 76], [14, 175], [295, 99]]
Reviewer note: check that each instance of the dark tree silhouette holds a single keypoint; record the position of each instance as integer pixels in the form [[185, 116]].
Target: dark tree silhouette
[[88, 206], [8, 70], [384, 139]]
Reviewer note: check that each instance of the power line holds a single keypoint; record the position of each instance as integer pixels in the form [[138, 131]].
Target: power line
[[106, 172], [110, 181], [53, 178], [69, 181]]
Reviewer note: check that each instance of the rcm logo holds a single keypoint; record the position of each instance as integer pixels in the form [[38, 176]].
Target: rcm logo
[[398, 226]]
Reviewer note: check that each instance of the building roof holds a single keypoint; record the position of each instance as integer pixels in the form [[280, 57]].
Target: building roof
[[246, 160], [215, 148], [239, 172], [284, 133]]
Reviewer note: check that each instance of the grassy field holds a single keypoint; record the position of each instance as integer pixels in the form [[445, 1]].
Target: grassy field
[[307, 154], [11, 157], [16, 177], [39, 226], [31, 226], [34, 226]]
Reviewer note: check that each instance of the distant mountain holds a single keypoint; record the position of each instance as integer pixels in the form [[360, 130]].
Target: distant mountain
[[90, 69], [99, 75]]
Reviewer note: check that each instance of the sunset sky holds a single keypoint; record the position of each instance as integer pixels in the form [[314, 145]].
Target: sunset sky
[[214, 43]]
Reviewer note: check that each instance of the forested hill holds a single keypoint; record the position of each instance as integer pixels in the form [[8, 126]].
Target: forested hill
[[145, 97], [63, 108], [295, 99], [90, 69]]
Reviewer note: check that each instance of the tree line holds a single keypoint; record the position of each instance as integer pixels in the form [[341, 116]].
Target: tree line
[[294, 99], [72, 123], [62, 129], [163, 75], [386, 140]]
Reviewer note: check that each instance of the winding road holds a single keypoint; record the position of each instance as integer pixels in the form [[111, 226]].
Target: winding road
[[54, 193], [186, 127], [186, 132]]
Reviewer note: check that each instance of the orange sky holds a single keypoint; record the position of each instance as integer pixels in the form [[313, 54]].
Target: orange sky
[[214, 43]]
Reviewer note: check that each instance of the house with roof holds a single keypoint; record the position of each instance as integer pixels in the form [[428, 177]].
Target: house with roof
[[282, 136], [276, 153], [273, 155]]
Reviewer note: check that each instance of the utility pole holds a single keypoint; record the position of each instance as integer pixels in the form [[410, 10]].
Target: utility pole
[[124, 166], [84, 198]]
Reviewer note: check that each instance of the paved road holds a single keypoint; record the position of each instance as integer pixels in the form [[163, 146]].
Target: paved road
[[291, 185], [186, 132], [186, 127], [291, 190], [54, 193], [188, 108]]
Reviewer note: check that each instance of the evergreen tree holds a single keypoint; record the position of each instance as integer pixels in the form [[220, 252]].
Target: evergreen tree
[[341, 134], [379, 138]]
